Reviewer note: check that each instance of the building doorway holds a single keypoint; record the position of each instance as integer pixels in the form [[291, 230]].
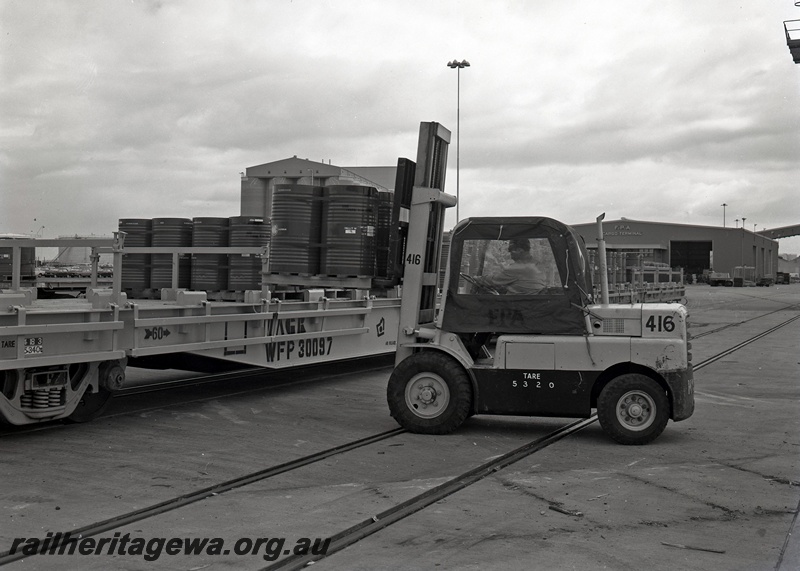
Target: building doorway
[[693, 257]]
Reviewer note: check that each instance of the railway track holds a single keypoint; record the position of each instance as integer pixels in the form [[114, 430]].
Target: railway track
[[396, 513], [227, 384], [738, 323], [701, 304]]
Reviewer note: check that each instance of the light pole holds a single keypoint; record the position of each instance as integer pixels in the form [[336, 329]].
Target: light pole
[[457, 65], [723, 214], [743, 219]]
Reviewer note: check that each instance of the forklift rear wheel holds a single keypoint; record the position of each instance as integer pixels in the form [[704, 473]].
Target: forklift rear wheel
[[633, 409], [429, 393]]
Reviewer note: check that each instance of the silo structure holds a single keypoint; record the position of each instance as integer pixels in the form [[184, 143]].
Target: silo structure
[[171, 233], [296, 229], [349, 217], [136, 267], [244, 270], [209, 271]]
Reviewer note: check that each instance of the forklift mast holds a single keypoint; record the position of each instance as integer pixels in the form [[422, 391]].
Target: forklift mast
[[426, 204]]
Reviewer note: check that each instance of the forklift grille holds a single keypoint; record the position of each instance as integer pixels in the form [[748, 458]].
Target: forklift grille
[[614, 325]]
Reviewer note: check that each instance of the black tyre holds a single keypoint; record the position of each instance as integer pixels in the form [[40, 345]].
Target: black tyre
[[91, 406], [429, 393], [633, 409]]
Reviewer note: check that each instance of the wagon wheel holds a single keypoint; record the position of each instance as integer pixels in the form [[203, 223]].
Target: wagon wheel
[[91, 405]]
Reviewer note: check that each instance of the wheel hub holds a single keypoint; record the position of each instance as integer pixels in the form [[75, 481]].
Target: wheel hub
[[113, 377], [427, 395], [635, 410]]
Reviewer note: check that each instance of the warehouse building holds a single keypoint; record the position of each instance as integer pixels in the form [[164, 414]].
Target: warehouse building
[[695, 249]]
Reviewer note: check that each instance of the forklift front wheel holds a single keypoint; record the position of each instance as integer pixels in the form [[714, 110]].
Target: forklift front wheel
[[633, 409], [429, 393]]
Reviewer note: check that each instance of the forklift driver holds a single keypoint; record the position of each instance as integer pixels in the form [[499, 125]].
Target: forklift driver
[[521, 276]]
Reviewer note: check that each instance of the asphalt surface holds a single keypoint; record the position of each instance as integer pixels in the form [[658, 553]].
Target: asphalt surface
[[719, 491]]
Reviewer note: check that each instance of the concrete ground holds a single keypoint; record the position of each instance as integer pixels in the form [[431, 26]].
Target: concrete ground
[[719, 491]]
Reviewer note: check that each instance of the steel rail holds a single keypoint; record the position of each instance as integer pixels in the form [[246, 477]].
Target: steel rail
[[203, 493], [711, 331], [411, 506], [744, 297], [738, 346]]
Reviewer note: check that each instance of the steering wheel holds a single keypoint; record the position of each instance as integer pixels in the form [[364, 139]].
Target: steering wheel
[[481, 286]]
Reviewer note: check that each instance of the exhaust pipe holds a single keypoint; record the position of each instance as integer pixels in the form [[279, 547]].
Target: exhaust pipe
[[601, 246]]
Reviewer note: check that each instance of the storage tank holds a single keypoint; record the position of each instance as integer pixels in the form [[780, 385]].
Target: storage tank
[[348, 237], [171, 233], [209, 271], [296, 229], [136, 267], [244, 270]]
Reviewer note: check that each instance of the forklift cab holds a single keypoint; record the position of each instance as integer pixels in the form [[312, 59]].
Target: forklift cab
[[514, 275], [518, 333]]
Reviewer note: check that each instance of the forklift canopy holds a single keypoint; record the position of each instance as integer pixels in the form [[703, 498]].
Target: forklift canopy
[[484, 296]]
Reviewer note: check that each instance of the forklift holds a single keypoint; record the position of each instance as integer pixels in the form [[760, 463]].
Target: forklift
[[514, 328]]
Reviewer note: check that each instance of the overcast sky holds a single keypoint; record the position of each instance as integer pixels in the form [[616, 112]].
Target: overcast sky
[[648, 110]]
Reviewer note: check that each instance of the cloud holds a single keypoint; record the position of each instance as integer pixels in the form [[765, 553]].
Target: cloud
[[648, 110]]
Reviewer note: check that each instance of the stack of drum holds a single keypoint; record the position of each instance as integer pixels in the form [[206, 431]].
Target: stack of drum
[[340, 230], [170, 232], [383, 226], [296, 229], [200, 272], [324, 230], [244, 270], [349, 217], [209, 271], [136, 267]]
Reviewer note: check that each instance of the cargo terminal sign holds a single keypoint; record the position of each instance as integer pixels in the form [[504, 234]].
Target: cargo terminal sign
[[622, 230]]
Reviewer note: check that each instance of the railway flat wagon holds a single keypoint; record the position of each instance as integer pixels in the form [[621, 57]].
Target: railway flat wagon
[[64, 358]]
